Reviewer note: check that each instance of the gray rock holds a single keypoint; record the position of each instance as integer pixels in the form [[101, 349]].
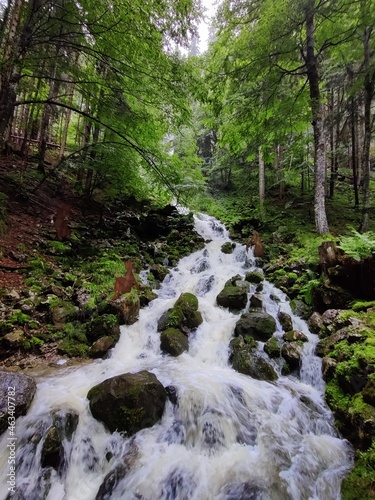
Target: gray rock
[[259, 325], [291, 352], [315, 322], [17, 389], [294, 336], [232, 297], [101, 347], [285, 321], [173, 342]]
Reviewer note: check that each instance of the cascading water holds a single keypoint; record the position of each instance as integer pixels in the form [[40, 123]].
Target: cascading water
[[229, 437]]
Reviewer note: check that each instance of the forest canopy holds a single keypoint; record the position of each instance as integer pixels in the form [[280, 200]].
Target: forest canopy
[[282, 97]]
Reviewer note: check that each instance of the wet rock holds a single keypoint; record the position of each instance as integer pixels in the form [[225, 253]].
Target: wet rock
[[184, 315], [178, 484], [20, 389], [285, 321], [205, 285], [245, 359], [256, 301], [328, 368], [173, 342], [200, 266], [295, 336], [128, 402], [315, 322], [146, 295], [53, 450], [228, 247], [254, 277], [158, 271], [259, 325], [172, 394], [272, 348], [240, 491], [291, 352], [101, 347], [107, 489], [232, 297], [300, 309]]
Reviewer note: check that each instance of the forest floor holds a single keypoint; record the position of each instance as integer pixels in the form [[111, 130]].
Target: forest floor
[[29, 208]]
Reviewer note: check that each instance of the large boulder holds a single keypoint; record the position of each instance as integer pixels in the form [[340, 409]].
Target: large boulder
[[16, 394], [126, 308], [232, 297], [128, 403], [259, 325]]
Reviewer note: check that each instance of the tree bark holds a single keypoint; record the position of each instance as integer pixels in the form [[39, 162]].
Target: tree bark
[[321, 222], [369, 87], [262, 181]]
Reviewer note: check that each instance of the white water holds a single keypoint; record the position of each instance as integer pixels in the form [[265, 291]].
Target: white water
[[230, 437]]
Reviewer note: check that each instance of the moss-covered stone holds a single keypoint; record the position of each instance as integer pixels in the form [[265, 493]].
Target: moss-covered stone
[[228, 247], [232, 297], [254, 277], [173, 342], [259, 325], [272, 348], [128, 403]]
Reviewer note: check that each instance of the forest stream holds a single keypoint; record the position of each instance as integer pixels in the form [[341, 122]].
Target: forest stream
[[228, 436]]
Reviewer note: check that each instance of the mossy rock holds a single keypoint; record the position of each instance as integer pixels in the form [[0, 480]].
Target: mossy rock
[[232, 297], [259, 325], [173, 342], [187, 302], [285, 321], [272, 348], [254, 277], [129, 402], [100, 347], [228, 247], [172, 318], [246, 360], [105, 325], [295, 336], [73, 348]]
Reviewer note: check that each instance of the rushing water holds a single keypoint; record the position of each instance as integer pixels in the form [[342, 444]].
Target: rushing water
[[230, 437]]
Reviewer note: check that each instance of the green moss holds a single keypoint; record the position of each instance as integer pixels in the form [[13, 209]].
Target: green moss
[[59, 248], [73, 348], [360, 483], [19, 318]]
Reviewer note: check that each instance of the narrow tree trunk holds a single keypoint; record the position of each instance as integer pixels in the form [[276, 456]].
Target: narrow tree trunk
[[262, 181], [369, 87], [321, 222], [353, 116], [10, 74]]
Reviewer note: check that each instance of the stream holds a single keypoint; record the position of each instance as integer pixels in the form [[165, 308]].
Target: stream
[[230, 437]]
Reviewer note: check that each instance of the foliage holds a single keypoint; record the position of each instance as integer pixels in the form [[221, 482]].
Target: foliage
[[358, 246]]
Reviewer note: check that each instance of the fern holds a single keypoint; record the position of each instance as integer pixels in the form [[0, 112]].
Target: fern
[[358, 246]]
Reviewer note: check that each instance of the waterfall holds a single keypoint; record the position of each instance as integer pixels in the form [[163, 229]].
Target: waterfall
[[230, 437]]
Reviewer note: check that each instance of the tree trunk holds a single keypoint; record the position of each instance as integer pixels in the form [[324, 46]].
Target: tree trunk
[[353, 115], [262, 181], [10, 74], [321, 222], [369, 87]]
